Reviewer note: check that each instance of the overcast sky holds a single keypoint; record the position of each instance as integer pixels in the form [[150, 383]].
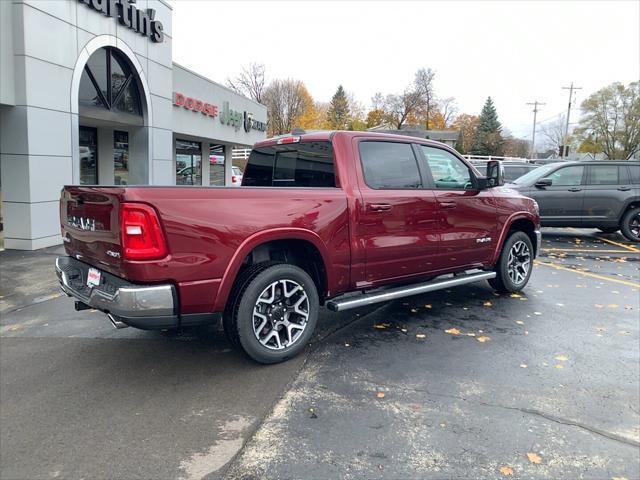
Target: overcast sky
[[516, 52]]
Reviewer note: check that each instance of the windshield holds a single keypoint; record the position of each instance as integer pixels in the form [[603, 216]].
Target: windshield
[[539, 172]]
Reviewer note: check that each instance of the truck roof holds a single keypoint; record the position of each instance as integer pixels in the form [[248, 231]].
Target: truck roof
[[327, 135]]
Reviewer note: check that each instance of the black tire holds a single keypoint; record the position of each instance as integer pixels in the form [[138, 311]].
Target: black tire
[[503, 282], [630, 225], [608, 229], [240, 316]]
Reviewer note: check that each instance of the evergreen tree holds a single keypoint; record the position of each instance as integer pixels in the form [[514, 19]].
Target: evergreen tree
[[460, 144], [338, 113], [488, 139]]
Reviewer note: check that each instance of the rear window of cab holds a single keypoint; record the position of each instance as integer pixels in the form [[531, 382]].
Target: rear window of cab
[[305, 164]]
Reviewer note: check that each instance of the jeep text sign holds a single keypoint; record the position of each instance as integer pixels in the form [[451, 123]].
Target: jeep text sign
[[131, 17]]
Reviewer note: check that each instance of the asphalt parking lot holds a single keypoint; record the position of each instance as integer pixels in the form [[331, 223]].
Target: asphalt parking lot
[[455, 384]]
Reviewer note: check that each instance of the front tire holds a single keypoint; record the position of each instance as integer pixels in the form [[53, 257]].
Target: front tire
[[515, 264], [631, 225], [274, 313]]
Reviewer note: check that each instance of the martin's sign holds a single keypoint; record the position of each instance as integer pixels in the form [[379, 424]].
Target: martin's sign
[[228, 116], [128, 15]]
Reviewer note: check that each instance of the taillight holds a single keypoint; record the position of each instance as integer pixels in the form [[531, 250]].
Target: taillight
[[140, 231], [234, 179]]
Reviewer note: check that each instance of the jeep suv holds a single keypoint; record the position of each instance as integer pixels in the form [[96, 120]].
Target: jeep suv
[[602, 194]]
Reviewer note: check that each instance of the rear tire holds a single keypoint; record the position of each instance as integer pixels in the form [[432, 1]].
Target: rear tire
[[515, 264], [273, 312], [608, 229], [631, 225]]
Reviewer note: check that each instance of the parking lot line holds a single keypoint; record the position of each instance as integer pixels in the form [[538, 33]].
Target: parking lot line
[[583, 250], [627, 247], [588, 274]]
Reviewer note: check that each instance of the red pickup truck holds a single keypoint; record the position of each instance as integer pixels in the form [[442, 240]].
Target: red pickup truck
[[343, 219]]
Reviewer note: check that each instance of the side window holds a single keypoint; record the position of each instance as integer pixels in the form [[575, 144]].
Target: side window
[[389, 165], [307, 164], [603, 175], [448, 171], [567, 176], [634, 171]]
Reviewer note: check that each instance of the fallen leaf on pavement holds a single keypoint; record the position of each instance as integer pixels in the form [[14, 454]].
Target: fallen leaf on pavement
[[618, 478], [559, 365], [507, 471], [519, 322], [487, 303], [420, 335], [523, 365], [537, 313], [428, 305], [534, 458], [612, 305], [453, 331], [413, 310], [483, 339], [562, 358], [515, 295], [599, 306], [380, 394], [471, 334], [380, 326]]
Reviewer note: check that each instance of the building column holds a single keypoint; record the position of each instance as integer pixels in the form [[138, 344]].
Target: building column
[[205, 166], [228, 163]]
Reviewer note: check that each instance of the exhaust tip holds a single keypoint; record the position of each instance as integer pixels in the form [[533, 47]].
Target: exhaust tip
[[116, 323]]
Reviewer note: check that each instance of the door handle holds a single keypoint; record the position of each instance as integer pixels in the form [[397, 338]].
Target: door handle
[[575, 189], [624, 189], [380, 207], [448, 204]]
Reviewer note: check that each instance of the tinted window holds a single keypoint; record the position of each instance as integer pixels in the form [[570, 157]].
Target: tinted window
[[634, 170], [308, 164], [567, 176], [448, 171], [388, 165], [604, 175]]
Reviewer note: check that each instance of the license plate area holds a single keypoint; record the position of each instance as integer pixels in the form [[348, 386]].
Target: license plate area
[[93, 277]]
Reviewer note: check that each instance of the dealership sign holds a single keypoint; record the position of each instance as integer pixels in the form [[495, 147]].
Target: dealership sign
[[128, 15], [228, 116]]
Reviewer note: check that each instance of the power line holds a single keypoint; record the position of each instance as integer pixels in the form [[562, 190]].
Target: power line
[[571, 88], [533, 136]]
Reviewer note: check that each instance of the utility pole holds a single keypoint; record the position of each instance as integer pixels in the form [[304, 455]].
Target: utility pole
[[533, 137], [566, 128]]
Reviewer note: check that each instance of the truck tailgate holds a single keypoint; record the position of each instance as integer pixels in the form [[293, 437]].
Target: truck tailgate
[[89, 220]]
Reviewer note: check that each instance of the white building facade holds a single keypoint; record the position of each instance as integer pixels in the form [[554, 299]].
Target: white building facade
[[89, 94]]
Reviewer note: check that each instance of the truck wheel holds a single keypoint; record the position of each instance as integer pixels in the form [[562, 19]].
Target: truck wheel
[[514, 266], [631, 225], [608, 229], [273, 312]]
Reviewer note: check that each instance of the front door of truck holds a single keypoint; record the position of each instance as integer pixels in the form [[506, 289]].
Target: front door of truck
[[467, 216], [397, 220]]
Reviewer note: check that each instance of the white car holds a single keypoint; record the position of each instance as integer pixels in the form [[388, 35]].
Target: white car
[[236, 177]]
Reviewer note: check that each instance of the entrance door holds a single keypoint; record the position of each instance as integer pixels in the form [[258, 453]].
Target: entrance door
[[88, 156]]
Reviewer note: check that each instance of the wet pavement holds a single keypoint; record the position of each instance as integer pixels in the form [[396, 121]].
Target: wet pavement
[[455, 384]]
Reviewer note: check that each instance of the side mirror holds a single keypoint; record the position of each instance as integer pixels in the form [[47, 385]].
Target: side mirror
[[495, 173], [544, 182]]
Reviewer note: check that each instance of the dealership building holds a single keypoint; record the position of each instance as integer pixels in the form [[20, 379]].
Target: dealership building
[[89, 95]]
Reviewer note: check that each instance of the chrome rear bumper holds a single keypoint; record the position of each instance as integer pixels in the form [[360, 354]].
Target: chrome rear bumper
[[141, 306]]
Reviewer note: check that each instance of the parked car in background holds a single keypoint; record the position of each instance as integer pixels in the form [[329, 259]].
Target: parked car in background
[[512, 170], [595, 194], [236, 177]]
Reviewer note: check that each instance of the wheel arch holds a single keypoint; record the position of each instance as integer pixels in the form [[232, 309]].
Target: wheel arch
[[521, 221], [630, 203], [291, 245]]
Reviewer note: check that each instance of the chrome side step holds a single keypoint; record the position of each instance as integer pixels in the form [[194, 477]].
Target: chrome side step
[[338, 305]]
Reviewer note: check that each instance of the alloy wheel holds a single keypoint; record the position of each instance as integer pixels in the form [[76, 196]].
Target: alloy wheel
[[634, 225], [280, 314], [519, 262]]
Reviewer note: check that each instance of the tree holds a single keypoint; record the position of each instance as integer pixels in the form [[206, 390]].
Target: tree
[[488, 139], [250, 82], [285, 101], [611, 120], [516, 147], [466, 124], [338, 115], [424, 87], [448, 109], [553, 134], [398, 108], [375, 117]]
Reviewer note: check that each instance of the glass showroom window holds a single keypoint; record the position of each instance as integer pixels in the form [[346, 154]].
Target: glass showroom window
[[188, 162], [88, 156]]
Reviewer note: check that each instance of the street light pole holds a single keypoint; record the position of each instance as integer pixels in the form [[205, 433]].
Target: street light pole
[[566, 128], [533, 136]]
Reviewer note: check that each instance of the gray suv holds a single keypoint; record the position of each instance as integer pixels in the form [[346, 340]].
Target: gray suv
[[603, 195]]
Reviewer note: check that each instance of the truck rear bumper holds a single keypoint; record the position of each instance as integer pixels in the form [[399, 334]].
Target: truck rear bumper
[[149, 307]]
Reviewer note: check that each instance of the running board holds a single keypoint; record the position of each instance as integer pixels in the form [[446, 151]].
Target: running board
[[338, 305]]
